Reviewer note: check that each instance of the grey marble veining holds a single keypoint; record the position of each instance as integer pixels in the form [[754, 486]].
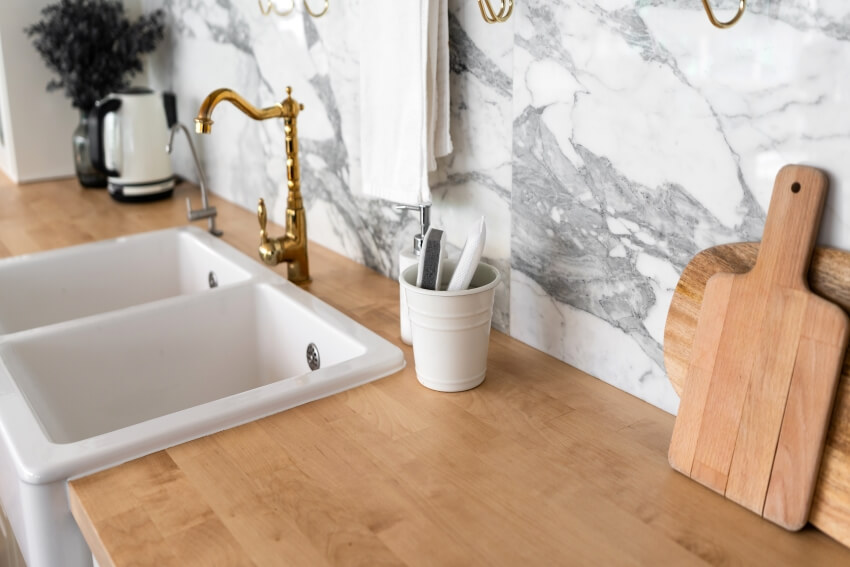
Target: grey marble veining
[[228, 43], [641, 136], [606, 143]]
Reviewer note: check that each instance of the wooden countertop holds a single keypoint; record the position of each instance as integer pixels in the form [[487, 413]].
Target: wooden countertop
[[542, 464]]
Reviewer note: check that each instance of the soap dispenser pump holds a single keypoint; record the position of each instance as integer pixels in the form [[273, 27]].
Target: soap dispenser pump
[[409, 257]]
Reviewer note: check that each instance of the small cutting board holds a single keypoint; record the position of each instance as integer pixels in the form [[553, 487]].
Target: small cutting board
[[764, 365], [829, 277]]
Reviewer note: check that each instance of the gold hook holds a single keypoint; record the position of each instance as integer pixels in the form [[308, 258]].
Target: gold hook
[[491, 19], [506, 15], [315, 15], [742, 6], [489, 14], [270, 6]]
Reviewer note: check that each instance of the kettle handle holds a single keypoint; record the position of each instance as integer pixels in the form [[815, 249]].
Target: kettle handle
[[101, 109], [170, 103]]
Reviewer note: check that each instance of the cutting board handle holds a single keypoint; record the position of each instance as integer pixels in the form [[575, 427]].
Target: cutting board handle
[[792, 226]]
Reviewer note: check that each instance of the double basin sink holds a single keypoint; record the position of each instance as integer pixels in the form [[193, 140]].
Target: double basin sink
[[116, 349]]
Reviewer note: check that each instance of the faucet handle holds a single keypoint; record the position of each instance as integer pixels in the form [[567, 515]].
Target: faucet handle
[[262, 217], [268, 249]]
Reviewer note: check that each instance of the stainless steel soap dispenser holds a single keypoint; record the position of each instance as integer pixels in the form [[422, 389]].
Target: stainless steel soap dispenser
[[409, 257]]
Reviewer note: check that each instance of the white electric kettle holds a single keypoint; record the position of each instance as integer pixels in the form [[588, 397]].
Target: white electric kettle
[[129, 133]]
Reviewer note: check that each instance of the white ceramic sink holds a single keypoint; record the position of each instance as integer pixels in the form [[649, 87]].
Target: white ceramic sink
[[59, 285], [135, 367]]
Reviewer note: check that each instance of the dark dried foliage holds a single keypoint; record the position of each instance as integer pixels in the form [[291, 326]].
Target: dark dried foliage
[[93, 47]]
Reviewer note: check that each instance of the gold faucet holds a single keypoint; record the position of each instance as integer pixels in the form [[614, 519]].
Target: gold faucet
[[292, 246]]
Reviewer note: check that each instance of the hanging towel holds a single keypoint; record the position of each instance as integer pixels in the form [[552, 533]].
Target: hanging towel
[[439, 139], [404, 96]]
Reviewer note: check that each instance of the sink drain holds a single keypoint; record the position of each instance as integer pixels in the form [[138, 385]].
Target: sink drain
[[313, 357], [213, 281]]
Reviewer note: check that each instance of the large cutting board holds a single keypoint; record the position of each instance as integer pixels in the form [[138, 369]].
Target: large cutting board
[[829, 277], [764, 365]]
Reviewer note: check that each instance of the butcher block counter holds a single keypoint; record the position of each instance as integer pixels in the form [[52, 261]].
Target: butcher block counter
[[542, 464]]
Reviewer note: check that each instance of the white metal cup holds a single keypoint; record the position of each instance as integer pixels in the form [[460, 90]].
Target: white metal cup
[[451, 329]]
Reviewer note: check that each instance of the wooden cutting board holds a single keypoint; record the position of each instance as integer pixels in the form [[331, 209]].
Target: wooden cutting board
[[829, 277], [764, 365]]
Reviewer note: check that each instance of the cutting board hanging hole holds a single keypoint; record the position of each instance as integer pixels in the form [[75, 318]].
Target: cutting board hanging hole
[[795, 187]]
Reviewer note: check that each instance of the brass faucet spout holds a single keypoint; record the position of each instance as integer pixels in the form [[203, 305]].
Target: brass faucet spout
[[204, 122], [290, 248]]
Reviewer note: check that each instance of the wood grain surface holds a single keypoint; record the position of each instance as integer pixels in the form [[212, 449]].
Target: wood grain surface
[[540, 465], [764, 367], [829, 277]]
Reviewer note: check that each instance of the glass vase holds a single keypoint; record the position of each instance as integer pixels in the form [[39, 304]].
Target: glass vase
[[87, 175]]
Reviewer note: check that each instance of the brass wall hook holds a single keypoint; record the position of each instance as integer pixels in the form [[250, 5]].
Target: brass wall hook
[[314, 14], [272, 7], [489, 14], [742, 6]]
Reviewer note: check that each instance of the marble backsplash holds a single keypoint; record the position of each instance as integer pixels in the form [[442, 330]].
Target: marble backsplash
[[605, 141], [642, 135], [215, 43]]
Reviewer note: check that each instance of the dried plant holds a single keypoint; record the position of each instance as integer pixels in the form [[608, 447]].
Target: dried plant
[[93, 47]]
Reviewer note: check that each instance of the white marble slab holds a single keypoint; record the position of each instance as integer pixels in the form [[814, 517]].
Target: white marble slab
[[605, 141], [214, 43], [642, 135]]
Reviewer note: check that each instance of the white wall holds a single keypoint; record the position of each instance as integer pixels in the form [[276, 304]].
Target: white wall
[[37, 125], [7, 158]]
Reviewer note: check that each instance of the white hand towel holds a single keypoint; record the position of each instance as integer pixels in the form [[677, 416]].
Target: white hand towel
[[439, 140], [404, 96]]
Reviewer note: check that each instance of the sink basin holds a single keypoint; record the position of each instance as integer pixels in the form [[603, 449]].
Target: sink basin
[[59, 285], [134, 368]]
